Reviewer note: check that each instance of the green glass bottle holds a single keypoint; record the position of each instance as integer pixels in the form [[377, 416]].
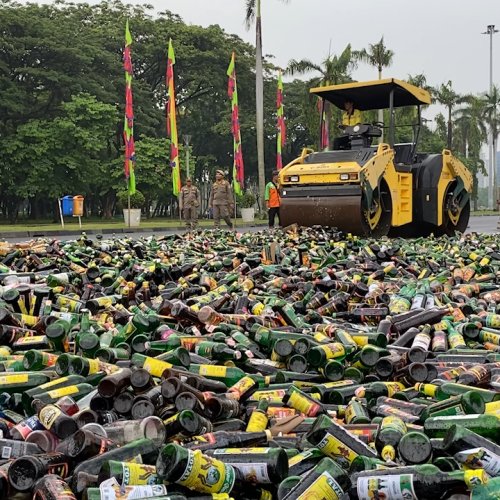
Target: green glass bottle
[[256, 465], [38, 360], [467, 403], [337, 443], [195, 470], [227, 374], [459, 438], [485, 425], [129, 473], [414, 484], [326, 480]]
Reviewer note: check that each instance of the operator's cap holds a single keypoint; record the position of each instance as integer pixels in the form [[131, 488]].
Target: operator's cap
[[276, 172], [188, 179], [220, 172]]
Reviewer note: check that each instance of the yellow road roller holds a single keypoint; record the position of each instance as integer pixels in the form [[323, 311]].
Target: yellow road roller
[[377, 189]]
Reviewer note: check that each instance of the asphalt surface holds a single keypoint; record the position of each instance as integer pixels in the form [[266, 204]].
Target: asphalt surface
[[479, 224]]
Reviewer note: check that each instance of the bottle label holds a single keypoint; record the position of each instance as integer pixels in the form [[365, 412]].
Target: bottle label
[[93, 366], [35, 339], [281, 412], [238, 451], [422, 340], [335, 448], [206, 474], [258, 422], [138, 474], [394, 423], [242, 386], [13, 379], [29, 320], [64, 391], [334, 350], [493, 320], [255, 472], [29, 425], [48, 415], [113, 491], [324, 487], [393, 486], [14, 450], [303, 456], [56, 381], [490, 337], [301, 403], [480, 458], [156, 366], [276, 394], [213, 371], [60, 469], [456, 340]]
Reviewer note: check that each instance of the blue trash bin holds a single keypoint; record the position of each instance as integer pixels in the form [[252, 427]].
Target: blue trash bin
[[67, 206]]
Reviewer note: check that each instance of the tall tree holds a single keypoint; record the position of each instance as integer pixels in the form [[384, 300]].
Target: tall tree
[[491, 101], [254, 14], [446, 96], [379, 56], [470, 134], [333, 71]]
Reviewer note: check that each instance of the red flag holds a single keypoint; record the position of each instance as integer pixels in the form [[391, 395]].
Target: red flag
[[232, 91]]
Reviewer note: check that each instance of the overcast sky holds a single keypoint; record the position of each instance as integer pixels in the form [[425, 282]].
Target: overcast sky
[[440, 38]]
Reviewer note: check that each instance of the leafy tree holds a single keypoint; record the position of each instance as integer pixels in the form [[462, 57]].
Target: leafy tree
[[470, 134], [446, 96], [491, 102], [333, 71], [379, 56]]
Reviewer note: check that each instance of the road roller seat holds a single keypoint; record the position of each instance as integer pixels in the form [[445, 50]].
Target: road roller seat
[[403, 153], [361, 135]]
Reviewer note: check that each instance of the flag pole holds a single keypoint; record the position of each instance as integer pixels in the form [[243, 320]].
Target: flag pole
[[234, 213], [128, 201]]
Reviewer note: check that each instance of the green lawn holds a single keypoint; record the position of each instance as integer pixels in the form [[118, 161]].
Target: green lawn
[[485, 212], [72, 225]]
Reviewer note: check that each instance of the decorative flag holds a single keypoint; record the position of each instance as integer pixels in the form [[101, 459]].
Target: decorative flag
[[324, 132], [281, 139], [232, 91], [128, 126], [172, 122]]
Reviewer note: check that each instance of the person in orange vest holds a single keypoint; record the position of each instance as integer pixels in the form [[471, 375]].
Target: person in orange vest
[[273, 199]]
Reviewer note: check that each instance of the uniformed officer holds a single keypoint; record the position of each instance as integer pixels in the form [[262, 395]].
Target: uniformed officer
[[190, 202], [221, 200]]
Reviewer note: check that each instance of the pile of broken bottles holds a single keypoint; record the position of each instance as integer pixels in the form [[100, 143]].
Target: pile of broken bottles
[[303, 363]]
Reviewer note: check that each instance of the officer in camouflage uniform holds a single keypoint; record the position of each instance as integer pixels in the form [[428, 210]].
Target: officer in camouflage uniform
[[221, 200], [190, 202]]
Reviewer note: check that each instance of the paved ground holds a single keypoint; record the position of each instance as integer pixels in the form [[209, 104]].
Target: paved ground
[[478, 224]]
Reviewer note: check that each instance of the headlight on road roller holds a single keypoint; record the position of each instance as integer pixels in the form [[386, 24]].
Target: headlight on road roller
[[292, 178], [349, 177]]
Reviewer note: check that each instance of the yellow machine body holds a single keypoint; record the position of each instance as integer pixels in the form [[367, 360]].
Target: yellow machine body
[[376, 189]]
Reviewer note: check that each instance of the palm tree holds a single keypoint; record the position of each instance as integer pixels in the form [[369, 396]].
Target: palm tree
[[446, 96], [333, 71], [470, 134], [379, 56], [253, 14], [491, 102]]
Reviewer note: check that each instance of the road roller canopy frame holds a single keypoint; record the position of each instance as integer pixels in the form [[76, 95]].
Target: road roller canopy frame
[[389, 94]]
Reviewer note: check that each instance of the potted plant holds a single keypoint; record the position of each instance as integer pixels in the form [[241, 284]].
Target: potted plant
[[247, 202], [132, 219]]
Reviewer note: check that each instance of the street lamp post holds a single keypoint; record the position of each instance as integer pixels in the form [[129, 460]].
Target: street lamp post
[[187, 139], [492, 191]]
